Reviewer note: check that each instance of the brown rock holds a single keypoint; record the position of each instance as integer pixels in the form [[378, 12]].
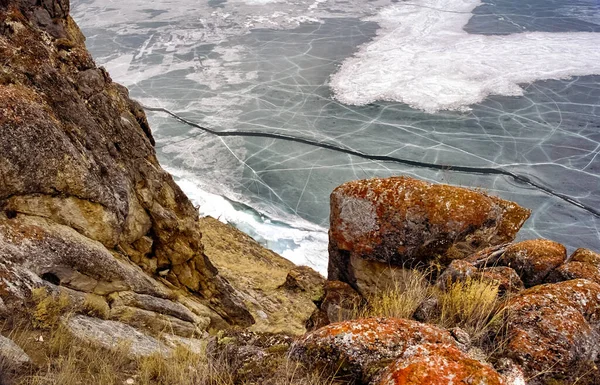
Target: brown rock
[[553, 328], [305, 279], [506, 278], [339, 303], [78, 169], [585, 255], [360, 348], [404, 222], [574, 270], [438, 365], [459, 270], [534, 259]]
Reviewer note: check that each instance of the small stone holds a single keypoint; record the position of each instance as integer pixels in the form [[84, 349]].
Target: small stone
[[130, 381], [534, 259]]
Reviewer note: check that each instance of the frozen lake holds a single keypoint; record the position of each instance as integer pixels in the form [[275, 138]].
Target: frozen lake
[[502, 96]]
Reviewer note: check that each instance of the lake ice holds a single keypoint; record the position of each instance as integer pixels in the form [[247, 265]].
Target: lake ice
[[500, 86]]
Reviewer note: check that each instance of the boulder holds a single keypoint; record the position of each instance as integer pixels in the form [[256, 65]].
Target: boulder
[[553, 330], [458, 270], [433, 364], [583, 263], [504, 277], [360, 348], [405, 222], [305, 279], [534, 259], [84, 202]]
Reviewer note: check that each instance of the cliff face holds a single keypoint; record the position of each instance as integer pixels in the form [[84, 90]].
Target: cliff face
[[84, 203]]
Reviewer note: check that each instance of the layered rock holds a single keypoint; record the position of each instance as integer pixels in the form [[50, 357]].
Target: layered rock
[[401, 221], [84, 203]]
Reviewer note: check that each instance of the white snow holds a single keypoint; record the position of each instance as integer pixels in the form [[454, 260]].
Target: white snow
[[424, 58]]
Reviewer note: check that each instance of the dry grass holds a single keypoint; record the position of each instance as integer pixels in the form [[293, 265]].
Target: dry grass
[[96, 306], [48, 307], [409, 289], [472, 305]]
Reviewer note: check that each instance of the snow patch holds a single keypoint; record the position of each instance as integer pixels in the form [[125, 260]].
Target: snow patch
[[424, 58]]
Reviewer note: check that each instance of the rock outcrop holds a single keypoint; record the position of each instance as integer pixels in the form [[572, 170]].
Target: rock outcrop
[[279, 295], [389, 351], [84, 203], [405, 222]]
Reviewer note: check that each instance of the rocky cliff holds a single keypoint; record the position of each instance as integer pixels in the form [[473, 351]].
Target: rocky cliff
[[84, 203]]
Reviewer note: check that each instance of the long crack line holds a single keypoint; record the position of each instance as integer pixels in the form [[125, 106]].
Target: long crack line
[[382, 158]]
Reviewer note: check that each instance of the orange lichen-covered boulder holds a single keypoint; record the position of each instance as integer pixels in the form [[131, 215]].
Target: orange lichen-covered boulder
[[553, 328], [360, 348], [534, 259], [438, 365], [585, 255], [403, 221], [583, 263]]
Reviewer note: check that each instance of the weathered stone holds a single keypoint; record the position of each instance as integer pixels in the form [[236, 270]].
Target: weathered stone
[[360, 348], [12, 357], [434, 364], [154, 304], [305, 279], [504, 277], [553, 328], [427, 310], [77, 154], [156, 323], [114, 335], [534, 259], [404, 222], [251, 358]]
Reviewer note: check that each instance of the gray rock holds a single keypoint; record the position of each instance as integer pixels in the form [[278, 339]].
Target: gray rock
[[11, 355], [114, 335]]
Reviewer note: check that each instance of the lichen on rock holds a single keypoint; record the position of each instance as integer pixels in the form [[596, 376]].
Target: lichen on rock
[[405, 222], [79, 177]]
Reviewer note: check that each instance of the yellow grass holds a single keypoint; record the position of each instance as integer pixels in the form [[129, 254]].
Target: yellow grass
[[409, 289]]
